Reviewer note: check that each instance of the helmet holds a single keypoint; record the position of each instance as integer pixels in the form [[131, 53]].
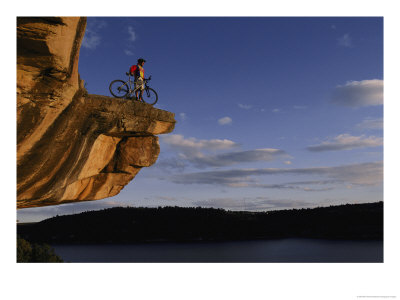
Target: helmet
[[140, 60]]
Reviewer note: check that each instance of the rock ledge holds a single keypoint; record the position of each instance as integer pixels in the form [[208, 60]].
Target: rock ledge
[[72, 146]]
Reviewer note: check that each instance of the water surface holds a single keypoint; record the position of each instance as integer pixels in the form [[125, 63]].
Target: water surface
[[282, 250]]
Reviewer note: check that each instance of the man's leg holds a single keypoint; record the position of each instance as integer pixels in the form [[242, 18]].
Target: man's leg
[[140, 88], [140, 95], [136, 94]]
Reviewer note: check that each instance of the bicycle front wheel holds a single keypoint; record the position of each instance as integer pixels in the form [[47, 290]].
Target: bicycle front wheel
[[150, 96], [119, 88]]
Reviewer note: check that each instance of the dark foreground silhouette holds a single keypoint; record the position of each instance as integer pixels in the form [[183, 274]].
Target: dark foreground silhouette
[[27, 252], [131, 225]]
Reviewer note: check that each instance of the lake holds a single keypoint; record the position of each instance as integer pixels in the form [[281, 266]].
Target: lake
[[281, 250]]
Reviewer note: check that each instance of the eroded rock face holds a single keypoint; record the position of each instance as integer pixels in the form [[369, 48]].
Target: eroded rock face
[[72, 146]]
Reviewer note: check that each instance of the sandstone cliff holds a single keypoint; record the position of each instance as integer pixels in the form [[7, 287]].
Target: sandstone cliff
[[72, 146]]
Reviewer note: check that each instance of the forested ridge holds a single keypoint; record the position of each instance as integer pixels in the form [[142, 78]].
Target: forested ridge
[[132, 224]]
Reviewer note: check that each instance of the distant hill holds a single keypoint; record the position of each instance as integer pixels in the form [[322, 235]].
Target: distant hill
[[130, 225]]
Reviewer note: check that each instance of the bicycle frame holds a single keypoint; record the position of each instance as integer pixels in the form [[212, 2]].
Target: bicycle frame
[[123, 89], [130, 82]]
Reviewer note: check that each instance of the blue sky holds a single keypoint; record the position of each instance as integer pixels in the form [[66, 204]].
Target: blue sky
[[271, 112]]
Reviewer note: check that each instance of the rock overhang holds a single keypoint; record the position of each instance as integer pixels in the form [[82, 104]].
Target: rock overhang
[[73, 146]]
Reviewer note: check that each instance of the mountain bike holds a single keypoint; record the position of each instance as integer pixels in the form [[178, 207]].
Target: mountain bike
[[123, 89]]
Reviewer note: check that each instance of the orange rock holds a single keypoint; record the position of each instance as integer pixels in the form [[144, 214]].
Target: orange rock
[[72, 146]]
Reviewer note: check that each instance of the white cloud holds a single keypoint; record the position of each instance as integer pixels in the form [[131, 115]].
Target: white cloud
[[345, 41], [347, 142], [276, 110], [128, 52], [180, 143], [92, 37], [132, 34], [91, 40], [132, 37], [245, 106], [371, 124], [194, 151], [183, 116], [359, 93], [225, 121]]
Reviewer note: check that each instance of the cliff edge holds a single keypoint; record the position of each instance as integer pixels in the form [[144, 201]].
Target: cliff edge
[[72, 146]]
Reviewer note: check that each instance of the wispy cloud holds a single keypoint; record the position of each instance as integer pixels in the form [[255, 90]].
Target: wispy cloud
[[171, 164], [347, 142], [299, 107], [245, 106], [225, 121], [131, 34], [197, 153], [285, 186], [165, 198], [188, 145], [371, 124], [128, 52], [359, 93], [227, 159], [39, 213], [183, 116], [252, 203], [345, 41], [131, 38], [92, 38], [356, 174]]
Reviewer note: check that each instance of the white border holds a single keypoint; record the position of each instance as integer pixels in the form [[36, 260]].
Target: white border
[[201, 281]]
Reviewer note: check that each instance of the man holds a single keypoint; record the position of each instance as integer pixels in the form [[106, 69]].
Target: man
[[138, 72]]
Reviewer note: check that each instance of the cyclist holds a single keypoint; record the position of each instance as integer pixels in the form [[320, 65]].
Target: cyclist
[[138, 71]]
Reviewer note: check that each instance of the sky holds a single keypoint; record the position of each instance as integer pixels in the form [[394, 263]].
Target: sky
[[272, 112]]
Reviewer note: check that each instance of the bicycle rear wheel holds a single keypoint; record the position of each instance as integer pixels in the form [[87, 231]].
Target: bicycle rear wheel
[[119, 88], [150, 96]]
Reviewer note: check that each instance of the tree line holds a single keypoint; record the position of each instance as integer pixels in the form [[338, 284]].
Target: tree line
[[133, 224]]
